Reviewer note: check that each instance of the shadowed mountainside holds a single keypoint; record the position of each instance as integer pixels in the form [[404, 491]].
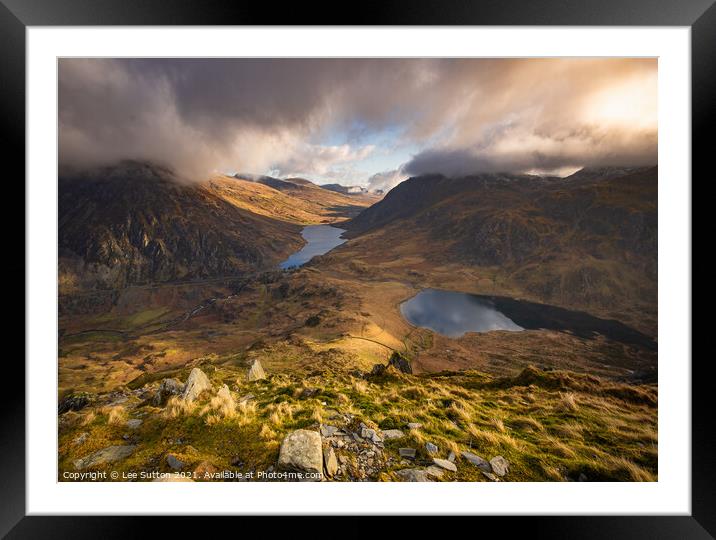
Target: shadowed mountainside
[[136, 223], [588, 240]]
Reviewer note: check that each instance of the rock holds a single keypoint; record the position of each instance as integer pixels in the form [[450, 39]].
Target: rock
[[225, 394], [399, 362], [73, 402], [430, 448], [173, 478], [391, 434], [204, 470], [371, 435], [328, 431], [414, 425], [378, 369], [412, 475], [451, 457], [435, 472], [256, 372], [111, 454], [134, 423], [301, 451], [331, 463], [174, 462], [195, 385], [308, 393], [82, 437], [490, 476], [167, 388], [499, 465], [407, 452], [477, 461], [445, 464]]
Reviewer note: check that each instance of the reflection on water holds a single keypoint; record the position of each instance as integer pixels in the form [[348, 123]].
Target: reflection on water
[[319, 239], [453, 313]]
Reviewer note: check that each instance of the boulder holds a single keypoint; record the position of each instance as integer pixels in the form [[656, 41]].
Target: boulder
[[445, 464], [477, 461], [414, 425], [412, 475], [407, 452], [430, 448], [302, 451], [399, 362], [499, 465], [195, 385], [331, 463], [256, 372], [111, 454]]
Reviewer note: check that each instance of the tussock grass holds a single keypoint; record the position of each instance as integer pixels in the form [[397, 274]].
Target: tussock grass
[[550, 426], [176, 407], [568, 402], [116, 416]]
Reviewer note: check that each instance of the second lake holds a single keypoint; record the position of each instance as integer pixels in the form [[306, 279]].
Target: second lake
[[319, 239]]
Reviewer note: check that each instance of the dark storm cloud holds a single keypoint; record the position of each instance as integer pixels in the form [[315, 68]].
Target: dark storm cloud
[[462, 115]]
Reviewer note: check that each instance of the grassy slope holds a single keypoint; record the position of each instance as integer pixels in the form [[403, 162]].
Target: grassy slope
[[304, 204], [551, 426]]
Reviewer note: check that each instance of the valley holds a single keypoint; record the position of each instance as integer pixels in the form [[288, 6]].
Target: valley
[[158, 278]]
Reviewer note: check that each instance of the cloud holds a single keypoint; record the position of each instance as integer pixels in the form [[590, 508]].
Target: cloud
[[318, 160], [255, 115], [386, 180]]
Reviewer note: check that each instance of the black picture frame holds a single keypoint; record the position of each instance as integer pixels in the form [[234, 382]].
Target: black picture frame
[[16, 15]]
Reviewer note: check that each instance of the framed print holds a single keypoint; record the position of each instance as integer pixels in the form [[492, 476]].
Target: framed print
[[435, 261]]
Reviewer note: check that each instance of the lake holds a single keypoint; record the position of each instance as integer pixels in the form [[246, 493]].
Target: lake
[[319, 239], [454, 313]]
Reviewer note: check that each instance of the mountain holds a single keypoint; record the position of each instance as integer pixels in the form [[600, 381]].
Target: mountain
[[135, 223], [342, 202], [587, 241]]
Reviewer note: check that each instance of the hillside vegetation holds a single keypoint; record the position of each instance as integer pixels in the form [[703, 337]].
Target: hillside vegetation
[[548, 426]]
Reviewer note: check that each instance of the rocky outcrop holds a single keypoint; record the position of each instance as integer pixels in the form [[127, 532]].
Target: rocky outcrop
[[400, 362], [73, 402]]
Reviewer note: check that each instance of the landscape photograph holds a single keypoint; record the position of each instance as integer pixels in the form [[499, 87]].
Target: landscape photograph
[[357, 270]]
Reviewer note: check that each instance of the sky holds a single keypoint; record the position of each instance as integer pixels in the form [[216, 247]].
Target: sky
[[367, 122]]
